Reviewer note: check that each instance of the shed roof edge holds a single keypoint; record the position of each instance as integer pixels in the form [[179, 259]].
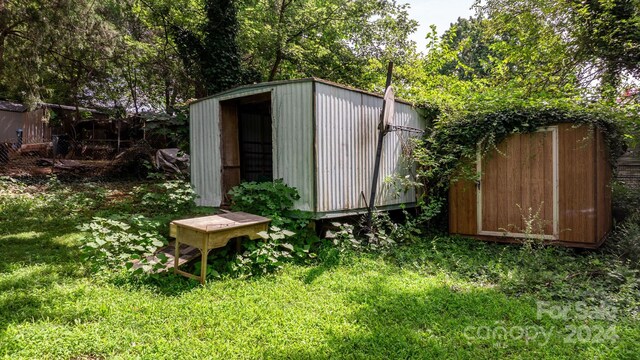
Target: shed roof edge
[[283, 82]]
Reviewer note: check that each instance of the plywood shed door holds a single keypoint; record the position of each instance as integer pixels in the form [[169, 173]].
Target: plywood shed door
[[230, 148], [518, 189]]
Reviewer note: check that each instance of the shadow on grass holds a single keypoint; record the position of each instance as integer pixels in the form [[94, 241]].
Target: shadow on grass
[[440, 322], [32, 244], [392, 324], [329, 259], [41, 294], [33, 282], [36, 233], [166, 284], [38, 258], [551, 273]]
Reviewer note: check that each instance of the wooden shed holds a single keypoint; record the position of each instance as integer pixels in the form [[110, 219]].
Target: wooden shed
[[552, 184], [14, 116]]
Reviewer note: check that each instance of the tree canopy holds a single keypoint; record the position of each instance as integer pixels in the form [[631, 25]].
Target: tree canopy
[[144, 55], [151, 54]]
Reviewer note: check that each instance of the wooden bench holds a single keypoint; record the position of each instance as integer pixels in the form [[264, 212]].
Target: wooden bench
[[210, 232]]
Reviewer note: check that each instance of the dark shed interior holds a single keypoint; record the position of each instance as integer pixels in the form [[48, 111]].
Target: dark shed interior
[[247, 145]]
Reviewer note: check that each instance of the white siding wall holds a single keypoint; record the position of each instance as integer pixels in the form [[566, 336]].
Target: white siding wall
[[346, 138], [292, 113], [206, 171], [292, 107]]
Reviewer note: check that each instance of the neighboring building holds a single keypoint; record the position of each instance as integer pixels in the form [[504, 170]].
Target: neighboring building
[[15, 116], [80, 123], [319, 137], [629, 168], [39, 124]]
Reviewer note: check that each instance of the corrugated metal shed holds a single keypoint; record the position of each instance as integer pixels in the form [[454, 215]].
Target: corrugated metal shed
[[323, 143]]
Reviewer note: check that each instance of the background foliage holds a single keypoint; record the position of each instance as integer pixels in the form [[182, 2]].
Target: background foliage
[[152, 54], [142, 55]]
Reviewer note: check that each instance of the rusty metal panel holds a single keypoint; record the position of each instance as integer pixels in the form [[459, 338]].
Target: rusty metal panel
[[346, 135]]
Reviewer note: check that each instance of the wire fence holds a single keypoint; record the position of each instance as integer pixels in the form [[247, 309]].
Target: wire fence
[[63, 155], [629, 168]]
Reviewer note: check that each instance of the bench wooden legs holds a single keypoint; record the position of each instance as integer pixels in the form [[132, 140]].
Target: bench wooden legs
[[203, 265], [176, 256], [204, 253]]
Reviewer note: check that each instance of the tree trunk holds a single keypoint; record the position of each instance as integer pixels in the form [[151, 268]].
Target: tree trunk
[[279, 53], [199, 88], [609, 82], [276, 65], [2, 39], [3, 33], [167, 96]]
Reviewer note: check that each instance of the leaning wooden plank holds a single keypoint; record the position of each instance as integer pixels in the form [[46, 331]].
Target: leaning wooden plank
[[187, 253]]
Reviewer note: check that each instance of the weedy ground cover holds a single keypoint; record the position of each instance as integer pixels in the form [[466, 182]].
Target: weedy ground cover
[[432, 297]]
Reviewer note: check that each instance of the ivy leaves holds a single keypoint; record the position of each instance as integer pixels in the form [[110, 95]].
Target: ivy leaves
[[450, 150]]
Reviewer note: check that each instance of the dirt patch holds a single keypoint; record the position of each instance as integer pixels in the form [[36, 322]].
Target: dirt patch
[[26, 166]]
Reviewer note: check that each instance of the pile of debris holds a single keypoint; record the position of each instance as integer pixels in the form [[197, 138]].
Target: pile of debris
[[136, 162]]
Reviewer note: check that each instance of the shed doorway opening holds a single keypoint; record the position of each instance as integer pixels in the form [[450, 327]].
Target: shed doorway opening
[[247, 145]]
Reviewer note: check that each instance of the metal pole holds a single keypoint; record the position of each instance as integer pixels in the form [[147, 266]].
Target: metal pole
[[382, 132]]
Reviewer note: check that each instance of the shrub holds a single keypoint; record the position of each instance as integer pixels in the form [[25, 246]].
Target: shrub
[[278, 246], [112, 244], [625, 241], [382, 235], [262, 257], [73, 201], [271, 199], [174, 196], [626, 200]]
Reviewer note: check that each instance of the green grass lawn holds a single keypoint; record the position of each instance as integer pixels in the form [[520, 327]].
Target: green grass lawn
[[439, 298]]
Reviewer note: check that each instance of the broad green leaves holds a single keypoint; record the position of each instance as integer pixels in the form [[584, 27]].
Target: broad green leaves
[[111, 243], [343, 41]]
